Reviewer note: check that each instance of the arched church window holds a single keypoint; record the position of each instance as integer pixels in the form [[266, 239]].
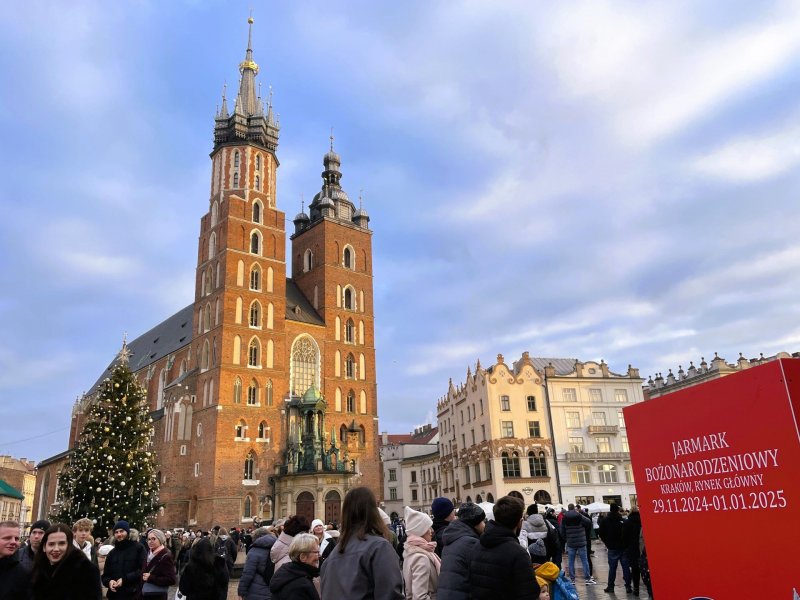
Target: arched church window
[[258, 183], [350, 331], [305, 365], [255, 278], [237, 391], [348, 258], [253, 352], [257, 208], [351, 401], [250, 465], [255, 314], [236, 159], [252, 393], [235, 180], [350, 367], [255, 242], [308, 260]]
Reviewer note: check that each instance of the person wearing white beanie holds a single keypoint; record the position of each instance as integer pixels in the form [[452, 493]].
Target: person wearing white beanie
[[421, 564], [326, 542]]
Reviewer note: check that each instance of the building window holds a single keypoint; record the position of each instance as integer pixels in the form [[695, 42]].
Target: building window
[[413, 477], [569, 395], [634, 501], [414, 495], [507, 429], [253, 353], [628, 472], [258, 162], [255, 278], [595, 395], [252, 393], [351, 402], [511, 465], [392, 474], [580, 474], [308, 261], [621, 418], [533, 429], [603, 443], [537, 464], [598, 418], [466, 474], [480, 401], [255, 243], [305, 361], [573, 419], [472, 432], [248, 507], [255, 314], [488, 469], [483, 433], [258, 182], [477, 472], [505, 403], [624, 442], [263, 430], [347, 258], [237, 391], [620, 395], [241, 429], [269, 392], [350, 367], [236, 180], [349, 298], [607, 473], [576, 444], [250, 466], [584, 500], [257, 211], [236, 159], [349, 331], [392, 493], [531, 403]]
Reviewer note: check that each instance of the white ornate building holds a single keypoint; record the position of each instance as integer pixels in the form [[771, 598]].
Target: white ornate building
[[410, 469]]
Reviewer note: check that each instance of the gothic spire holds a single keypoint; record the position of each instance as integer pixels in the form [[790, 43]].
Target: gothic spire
[[248, 68]]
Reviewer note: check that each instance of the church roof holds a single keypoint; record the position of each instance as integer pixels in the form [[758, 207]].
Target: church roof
[[563, 366], [298, 308], [165, 338]]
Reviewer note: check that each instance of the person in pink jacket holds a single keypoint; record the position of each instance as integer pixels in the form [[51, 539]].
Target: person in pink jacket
[[421, 564]]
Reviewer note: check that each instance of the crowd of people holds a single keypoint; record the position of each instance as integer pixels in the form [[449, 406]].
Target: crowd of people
[[481, 551]]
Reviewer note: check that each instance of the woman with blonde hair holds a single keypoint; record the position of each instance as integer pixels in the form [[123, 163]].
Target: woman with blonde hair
[[295, 581], [421, 564], [364, 565]]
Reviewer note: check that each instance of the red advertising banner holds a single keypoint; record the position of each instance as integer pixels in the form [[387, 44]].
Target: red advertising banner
[[717, 471]]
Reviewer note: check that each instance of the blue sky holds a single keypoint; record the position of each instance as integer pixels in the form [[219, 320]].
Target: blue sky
[[593, 179]]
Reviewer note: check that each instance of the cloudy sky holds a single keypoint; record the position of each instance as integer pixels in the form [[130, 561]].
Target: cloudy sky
[[593, 179]]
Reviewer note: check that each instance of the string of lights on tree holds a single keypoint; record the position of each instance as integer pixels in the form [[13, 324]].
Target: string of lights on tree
[[111, 473]]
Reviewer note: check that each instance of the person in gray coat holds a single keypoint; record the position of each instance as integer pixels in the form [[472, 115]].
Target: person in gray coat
[[258, 568], [460, 539], [363, 565], [573, 527]]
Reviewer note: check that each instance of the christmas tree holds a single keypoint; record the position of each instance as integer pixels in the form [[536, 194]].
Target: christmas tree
[[111, 473]]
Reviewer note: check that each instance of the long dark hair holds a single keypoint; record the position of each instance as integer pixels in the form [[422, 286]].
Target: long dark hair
[[360, 517], [41, 564], [201, 565]]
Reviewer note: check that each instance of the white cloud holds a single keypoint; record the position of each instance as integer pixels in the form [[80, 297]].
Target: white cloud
[[753, 158]]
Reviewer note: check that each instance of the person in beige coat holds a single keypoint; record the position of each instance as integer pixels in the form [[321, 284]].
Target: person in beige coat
[[420, 563]]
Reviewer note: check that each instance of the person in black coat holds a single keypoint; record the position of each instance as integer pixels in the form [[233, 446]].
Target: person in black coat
[[258, 568], [206, 575], [295, 579], [61, 571], [14, 577], [631, 529], [611, 533], [122, 573], [501, 568], [461, 539], [226, 548], [443, 513]]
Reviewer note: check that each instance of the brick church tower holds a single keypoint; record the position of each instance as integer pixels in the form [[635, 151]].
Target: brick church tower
[[263, 389]]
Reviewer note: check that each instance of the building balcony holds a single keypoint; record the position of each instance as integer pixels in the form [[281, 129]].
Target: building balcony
[[603, 429], [584, 456]]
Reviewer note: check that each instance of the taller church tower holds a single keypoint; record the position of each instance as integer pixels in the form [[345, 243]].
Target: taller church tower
[[285, 408]]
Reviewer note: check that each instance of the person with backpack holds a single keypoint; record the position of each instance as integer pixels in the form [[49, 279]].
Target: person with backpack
[[226, 548], [258, 568], [573, 527]]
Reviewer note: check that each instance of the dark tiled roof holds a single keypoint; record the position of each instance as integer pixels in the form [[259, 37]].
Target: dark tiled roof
[[163, 339], [563, 366], [52, 459], [298, 308], [7, 490]]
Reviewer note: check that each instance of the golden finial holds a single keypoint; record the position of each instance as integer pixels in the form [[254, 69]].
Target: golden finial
[[250, 20]]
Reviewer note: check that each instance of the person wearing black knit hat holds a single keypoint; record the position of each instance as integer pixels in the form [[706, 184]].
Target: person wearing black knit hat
[[27, 551], [122, 574], [460, 541], [443, 513]]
